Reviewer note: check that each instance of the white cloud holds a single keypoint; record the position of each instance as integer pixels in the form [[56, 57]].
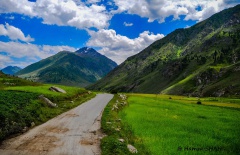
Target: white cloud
[[4, 60], [161, 9], [27, 53], [60, 12], [118, 47], [93, 1], [127, 24], [14, 33], [10, 17]]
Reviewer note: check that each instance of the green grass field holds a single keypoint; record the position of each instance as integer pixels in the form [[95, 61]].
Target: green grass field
[[180, 126], [44, 89]]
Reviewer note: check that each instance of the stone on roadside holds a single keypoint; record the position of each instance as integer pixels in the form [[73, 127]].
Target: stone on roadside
[[131, 148], [47, 101], [25, 129], [121, 140], [57, 89], [32, 124]]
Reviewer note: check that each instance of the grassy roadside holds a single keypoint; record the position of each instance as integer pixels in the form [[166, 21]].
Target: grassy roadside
[[176, 126], [115, 129], [21, 109]]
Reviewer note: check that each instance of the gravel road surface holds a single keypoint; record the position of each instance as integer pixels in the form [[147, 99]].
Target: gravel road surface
[[75, 132]]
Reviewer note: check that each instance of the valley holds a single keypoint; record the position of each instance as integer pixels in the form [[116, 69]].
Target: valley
[[179, 95]]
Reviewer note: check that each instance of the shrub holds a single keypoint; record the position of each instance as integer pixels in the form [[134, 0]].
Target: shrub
[[199, 101]]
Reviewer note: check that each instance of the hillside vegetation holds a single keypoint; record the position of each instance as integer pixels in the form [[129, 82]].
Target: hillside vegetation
[[21, 108], [79, 68], [203, 60]]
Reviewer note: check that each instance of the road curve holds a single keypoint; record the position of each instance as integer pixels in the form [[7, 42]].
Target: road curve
[[75, 132]]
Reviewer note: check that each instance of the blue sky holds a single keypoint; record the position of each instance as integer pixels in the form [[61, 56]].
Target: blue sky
[[31, 30]]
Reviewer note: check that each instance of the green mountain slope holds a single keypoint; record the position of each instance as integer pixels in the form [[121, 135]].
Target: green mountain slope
[[200, 60], [11, 70], [80, 68]]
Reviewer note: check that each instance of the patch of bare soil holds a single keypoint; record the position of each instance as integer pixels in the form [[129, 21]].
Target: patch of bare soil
[[71, 115], [57, 129], [39, 143]]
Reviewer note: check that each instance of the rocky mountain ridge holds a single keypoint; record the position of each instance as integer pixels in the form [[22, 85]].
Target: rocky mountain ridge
[[208, 52], [80, 68]]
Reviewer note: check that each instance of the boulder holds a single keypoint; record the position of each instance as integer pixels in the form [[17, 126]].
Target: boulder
[[56, 89], [32, 124], [131, 148], [47, 101]]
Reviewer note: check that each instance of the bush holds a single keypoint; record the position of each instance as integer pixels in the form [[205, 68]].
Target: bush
[[199, 102]]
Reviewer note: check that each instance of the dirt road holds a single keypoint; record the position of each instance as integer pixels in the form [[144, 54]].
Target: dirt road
[[75, 132]]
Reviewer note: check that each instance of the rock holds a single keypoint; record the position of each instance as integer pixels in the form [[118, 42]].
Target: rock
[[32, 124], [56, 89], [219, 93], [47, 101], [131, 148], [115, 107], [72, 101], [89, 92], [121, 140], [122, 96], [25, 129]]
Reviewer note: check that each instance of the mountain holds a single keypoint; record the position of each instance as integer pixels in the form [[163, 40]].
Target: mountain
[[11, 70], [79, 68], [202, 60]]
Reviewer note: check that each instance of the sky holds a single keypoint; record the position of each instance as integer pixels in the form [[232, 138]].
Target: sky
[[31, 30]]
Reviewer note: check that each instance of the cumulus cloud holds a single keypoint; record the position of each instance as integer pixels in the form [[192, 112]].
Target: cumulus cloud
[[118, 47], [27, 53], [61, 12], [161, 9], [127, 24], [4, 60], [92, 13], [14, 33]]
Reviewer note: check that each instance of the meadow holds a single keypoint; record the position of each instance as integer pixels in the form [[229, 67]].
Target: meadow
[[178, 125]]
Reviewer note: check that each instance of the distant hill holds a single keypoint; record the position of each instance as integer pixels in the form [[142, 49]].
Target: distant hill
[[79, 68], [11, 70], [203, 60]]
